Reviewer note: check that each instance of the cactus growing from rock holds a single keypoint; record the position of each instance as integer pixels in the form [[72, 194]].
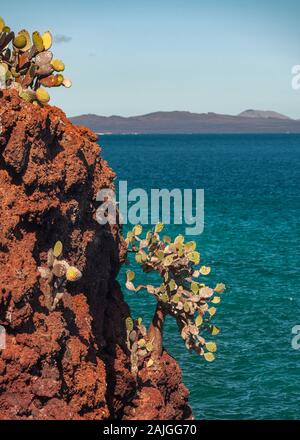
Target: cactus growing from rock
[[57, 273], [27, 64], [182, 293], [138, 343]]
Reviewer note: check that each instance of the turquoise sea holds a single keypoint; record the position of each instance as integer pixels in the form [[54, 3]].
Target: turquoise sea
[[251, 241]]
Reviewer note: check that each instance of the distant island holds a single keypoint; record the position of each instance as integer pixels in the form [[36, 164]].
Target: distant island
[[249, 121]]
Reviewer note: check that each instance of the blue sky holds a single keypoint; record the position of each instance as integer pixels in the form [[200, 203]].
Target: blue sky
[[132, 57]]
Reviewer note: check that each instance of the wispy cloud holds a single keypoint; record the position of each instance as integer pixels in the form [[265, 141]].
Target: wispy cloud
[[60, 38]]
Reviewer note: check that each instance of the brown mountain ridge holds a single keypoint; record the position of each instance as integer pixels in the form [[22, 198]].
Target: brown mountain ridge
[[249, 121]]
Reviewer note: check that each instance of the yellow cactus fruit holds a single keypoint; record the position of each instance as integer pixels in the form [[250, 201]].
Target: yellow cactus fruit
[[73, 274], [58, 65], [42, 96], [59, 80]]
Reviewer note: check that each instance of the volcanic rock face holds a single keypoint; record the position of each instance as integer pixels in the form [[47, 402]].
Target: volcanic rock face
[[70, 363]]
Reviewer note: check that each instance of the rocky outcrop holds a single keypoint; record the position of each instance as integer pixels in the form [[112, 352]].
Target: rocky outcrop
[[70, 363]]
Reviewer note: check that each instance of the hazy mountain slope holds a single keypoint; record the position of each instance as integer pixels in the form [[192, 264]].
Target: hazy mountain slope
[[186, 122], [262, 114]]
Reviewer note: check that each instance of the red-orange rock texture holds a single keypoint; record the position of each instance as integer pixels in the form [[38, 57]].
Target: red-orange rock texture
[[71, 363]]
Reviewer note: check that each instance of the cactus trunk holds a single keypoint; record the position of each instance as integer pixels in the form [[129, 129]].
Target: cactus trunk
[[155, 332]]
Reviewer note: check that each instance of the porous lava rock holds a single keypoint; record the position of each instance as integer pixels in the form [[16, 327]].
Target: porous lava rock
[[70, 363]]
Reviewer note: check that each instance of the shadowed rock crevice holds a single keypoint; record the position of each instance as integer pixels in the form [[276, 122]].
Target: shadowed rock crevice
[[73, 362]]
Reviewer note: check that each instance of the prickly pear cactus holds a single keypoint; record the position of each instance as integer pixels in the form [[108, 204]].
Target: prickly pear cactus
[[27, 64], [56, 275], [183, 293]]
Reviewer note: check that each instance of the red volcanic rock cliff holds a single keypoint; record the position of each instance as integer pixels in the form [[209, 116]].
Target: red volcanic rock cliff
[[70, 363]]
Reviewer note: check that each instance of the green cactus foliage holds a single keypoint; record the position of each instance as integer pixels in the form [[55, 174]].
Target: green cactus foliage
[[129, 324], [56, 275], [38, 41], [20, 41], [58, 248], [183, 294], [138, 343], [26, 35], [29, 64]]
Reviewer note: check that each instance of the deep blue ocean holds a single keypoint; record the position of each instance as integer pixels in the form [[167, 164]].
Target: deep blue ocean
[[251, 241]]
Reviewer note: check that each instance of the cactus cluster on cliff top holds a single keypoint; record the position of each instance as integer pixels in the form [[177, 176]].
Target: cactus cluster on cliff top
[[27, 64], [183, 293]]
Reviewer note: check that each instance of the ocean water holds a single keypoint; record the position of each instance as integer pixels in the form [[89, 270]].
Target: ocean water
[[251, 241]]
